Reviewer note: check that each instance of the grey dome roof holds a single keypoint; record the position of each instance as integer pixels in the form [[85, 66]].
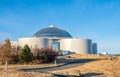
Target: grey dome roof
[[52, 32]]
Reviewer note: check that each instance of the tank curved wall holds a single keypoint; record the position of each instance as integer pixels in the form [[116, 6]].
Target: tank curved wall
[[35, 42], [79, 46]]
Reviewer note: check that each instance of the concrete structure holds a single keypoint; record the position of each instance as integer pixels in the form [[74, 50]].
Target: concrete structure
[[94, 48], [35, 42], [58, 39], [14, 43], [79, 46]]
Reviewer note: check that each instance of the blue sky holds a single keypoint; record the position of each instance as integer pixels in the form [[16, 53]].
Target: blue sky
[[98, 20]]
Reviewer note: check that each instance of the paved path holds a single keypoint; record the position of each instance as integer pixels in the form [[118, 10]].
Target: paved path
[[59, 67]]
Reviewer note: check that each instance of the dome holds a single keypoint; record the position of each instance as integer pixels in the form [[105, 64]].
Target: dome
[[52, 31]]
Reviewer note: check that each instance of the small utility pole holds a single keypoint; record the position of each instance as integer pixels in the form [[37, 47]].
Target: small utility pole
[[55, 62], [6, 65]]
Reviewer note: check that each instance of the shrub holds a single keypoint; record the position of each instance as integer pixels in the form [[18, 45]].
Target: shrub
[[44, 55], [25, 56]]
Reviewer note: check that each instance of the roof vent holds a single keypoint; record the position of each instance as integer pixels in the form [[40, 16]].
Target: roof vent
[[51, 26]]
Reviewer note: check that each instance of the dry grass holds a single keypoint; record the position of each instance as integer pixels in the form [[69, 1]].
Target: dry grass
[[18, 66], [16, 73], [89, 56], [99, 68]]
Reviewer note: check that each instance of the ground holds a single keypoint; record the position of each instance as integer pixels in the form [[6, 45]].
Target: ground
[[102, 66], [98, 66]]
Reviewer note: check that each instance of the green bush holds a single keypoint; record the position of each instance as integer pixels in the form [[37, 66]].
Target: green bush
[[14, 54], [25, 56]]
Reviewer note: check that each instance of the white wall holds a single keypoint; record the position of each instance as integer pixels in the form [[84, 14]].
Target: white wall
[[79, 46], [35, 41], [14, 43]]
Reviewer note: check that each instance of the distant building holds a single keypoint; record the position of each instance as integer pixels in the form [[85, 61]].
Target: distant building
[[59, 40], [105, 53]]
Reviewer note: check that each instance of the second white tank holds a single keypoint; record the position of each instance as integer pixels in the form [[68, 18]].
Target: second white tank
[[79, 46]]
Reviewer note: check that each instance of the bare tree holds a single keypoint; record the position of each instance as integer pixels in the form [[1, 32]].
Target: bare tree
[[5, 51]]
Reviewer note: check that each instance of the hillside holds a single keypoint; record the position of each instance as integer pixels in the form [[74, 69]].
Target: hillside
[[101, 66]]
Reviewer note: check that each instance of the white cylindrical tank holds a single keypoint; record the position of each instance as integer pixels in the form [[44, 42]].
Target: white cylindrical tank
[[35, 42], [79, 46]]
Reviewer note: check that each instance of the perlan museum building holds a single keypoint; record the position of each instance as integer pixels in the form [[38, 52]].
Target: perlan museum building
[[59, 40]]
